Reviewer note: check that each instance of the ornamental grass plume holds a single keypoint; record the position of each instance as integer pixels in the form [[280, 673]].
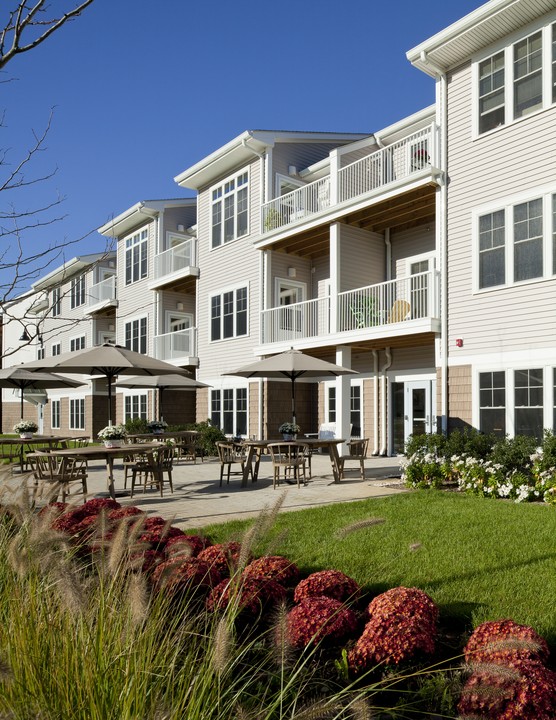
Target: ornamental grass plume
[[331, 583], [186, 545], [319, 619], [501, 641], [223, 557]]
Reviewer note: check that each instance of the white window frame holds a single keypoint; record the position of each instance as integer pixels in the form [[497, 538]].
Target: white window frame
[[232, 289], [136, 241], [80, 412], [507, 46], [56, 303], [233, 390], [78, 293], [141, 398], [106, 336], [55, 414], [548, 219], [217, 195], [135, 340], [56, 349], [78, 342]]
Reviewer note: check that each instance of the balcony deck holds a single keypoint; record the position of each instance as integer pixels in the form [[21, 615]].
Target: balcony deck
[[176, 268], [178, 347], [101, 297]]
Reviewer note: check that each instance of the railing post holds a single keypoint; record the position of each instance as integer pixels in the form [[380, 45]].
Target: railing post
[[334, 179]]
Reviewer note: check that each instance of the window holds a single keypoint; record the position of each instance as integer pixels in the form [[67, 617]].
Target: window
[[136, 256], [77, 343], [355, 411], [491, 92], [228, 314], [55, 414], [77, 292], [331, 412], [528, 240], [229, 210], [136, 335], [228, 410], [492, 239], [528, 402], [511, 83], [56, 349], [528, 75], [135, 406], [492, 403], [56, 302], [77, 414], [40, 353]]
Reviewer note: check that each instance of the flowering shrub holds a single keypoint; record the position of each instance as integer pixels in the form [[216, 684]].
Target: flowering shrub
[[186, 545], [500, 641], [223, 556], [251, 594], [524, 691], [24, 426], [424, 469], [180, 575], [319, 618], [130, 511], [275, 567], [403, 623], [331, 583]]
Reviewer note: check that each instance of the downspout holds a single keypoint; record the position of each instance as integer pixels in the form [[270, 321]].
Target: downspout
[[383, 419], [388, 244], [442, 234], [375, 402]]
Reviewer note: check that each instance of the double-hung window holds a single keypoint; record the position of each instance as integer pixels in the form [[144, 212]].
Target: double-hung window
[[55, 414], [492, 253], [228, 410], [228, 314], [56, 349], [517, 80], [77, 292], [136, 256], [230, 209], [56, 302], [492, 403], [136, 335], [528, 402], [77, 414], [135, 406], [77, 343]]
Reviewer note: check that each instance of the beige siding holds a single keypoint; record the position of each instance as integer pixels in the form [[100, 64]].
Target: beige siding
[[280, 263], [409, 243], [361, 258]]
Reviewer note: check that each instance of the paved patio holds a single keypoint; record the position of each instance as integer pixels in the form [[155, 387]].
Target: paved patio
[[198, 499]]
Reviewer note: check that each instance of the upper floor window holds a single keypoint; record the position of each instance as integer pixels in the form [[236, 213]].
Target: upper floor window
[[229, 209], [56, 349], [76, 343], [228, 314], [517, 80], [136, 335], [136, 256], [515, 244], [56, 302], [77, 292]]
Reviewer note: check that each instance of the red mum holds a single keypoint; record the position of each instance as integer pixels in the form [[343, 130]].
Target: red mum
[[251, 594], [275, 567], [319, 618], [185, 574], [223, 556], [527, 691], [125, 512], [184, 544], [330, 583], [500, 641]]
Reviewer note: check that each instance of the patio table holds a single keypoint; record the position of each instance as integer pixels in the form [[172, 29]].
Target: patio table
[[48, 440]]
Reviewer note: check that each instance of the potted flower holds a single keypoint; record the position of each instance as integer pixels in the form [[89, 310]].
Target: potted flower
[[289, 430], [112, 435], [157, 426], [26, 428]]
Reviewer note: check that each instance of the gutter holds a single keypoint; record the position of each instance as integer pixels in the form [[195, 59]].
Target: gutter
[[384, 424]]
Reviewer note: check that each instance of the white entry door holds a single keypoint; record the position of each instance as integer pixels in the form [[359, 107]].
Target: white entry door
[[418, 415]]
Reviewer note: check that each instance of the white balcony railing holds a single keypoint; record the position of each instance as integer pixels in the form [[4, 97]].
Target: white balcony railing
[[175, 259], [396, 162], [374, 306], [102, 291], [177, 344]]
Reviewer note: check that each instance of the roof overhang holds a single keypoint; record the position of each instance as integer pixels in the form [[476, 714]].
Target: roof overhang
[[242, 149], [69, 268], [142, 211], [480, 28]]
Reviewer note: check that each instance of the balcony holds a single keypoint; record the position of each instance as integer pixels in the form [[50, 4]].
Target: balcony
[[397, 167], [178, 347], [176, 267], [407, 306], [102, 296]]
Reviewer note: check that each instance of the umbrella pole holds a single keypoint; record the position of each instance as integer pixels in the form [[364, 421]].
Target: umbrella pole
[[109, 378], [160, 415], [293, 402]]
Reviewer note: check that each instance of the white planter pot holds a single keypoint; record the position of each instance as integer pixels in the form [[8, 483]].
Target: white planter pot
[[112, 443], [26, 435]]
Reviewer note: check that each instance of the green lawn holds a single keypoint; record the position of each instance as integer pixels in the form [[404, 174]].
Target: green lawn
[[478, 559]]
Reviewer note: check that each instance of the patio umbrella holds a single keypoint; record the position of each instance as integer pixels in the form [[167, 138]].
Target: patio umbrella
[[291, 364], [108, 360], [161, 383], [22, 379]]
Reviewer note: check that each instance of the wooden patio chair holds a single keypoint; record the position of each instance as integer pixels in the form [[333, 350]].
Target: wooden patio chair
[[57, 475], [154, 465], [289, 458], [357, 451], [399, 311], [229, 454]]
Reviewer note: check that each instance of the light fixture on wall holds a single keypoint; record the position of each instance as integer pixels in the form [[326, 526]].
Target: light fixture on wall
[[179, 306], [292, 170], [34, 335], [181, 228], [292, 272]]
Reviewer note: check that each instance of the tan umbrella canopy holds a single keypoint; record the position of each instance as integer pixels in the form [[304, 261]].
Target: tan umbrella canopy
[[291, 364], [22, 379], [161, 383], [108, 360]]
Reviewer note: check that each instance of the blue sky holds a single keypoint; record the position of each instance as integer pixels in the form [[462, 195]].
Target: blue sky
[[143, 90]]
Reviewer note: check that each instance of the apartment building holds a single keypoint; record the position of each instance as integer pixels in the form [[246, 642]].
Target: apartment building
[[422, 255]]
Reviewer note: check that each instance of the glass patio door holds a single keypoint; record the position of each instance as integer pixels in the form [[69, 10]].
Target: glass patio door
[[418, 416]]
